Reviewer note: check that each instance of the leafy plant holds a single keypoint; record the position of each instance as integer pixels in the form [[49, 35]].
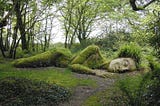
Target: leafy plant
[[131, 50], [21, 91], [143, 90], [131, 88]]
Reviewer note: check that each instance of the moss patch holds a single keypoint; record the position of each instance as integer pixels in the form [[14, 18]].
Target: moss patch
[[57, 57], [90, 57]]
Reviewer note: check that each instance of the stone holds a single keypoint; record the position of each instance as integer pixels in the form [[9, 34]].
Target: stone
[[121, 65]]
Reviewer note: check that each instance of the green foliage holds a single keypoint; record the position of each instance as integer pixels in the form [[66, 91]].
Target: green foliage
[[154, 40], [81, 69], [90, 57], [55, 57], [77, 47], [24, 53], [79, 17], [152, 27], [152, 84], [21, 91], [113, 40], [131, 50], [131, 88], [143, 90], [139, 90]]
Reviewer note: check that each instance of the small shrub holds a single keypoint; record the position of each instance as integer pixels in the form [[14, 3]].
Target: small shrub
[[152, 84], [57, 57], [130, 86], [25, 92], [131, 50], [81, 69]]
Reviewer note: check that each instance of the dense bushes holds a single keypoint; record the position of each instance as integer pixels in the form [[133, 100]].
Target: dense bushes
[[152, 79], [25, 92], [56, 57], [143, 90], [131, 50]]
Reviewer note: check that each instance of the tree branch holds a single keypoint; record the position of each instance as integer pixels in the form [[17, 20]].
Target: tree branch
[[3, 21], [137, 8]]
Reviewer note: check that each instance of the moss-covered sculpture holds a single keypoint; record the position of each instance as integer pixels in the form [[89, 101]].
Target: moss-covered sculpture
[[90, 57], [59, 57], [87, 60], [78, 68]]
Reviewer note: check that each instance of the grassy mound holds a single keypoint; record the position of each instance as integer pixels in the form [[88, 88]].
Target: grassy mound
[[24, 92], [57, 57], [81, 69], [90, 57]]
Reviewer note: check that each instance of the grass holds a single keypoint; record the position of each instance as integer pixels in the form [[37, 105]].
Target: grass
[[112, 96], [115, 95], [50, 75]]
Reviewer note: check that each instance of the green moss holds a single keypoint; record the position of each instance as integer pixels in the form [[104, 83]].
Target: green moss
[[90, 57], [105, 65], [81, 69], [57, 57]]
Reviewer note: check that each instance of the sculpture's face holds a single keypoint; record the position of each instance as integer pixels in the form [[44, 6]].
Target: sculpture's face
[[121, 65]]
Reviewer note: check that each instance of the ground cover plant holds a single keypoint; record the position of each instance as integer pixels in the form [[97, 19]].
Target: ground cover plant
[[22, 92]]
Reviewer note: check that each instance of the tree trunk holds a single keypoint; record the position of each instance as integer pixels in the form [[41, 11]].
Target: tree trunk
[[1, 43], [13, 45], [21, 25]]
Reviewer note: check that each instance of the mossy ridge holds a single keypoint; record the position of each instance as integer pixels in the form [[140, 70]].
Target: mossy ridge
[[56, 57], [90, 57], [81, 69]]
